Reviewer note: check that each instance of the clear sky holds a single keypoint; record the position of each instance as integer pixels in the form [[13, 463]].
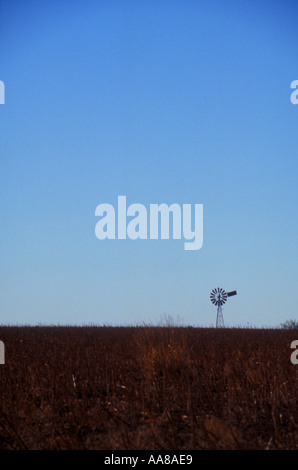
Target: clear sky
[[172, 101]]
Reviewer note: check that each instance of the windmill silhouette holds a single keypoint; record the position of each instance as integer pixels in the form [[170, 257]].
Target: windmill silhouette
[[219, 297]]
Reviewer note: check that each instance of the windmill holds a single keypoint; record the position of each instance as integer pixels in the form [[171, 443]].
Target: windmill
[[219, 297]]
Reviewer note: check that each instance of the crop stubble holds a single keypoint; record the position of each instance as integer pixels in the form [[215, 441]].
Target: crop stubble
[[146, 387]]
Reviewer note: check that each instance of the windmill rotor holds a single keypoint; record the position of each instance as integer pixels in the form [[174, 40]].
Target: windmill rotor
[[218, 296]]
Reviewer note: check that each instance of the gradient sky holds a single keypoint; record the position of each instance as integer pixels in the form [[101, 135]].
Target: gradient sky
[[164, 102]]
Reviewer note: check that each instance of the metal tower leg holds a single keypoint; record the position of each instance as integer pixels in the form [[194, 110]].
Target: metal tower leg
[[219, 318]]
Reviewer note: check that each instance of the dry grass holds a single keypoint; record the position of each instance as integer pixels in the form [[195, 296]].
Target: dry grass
[[147, 388]]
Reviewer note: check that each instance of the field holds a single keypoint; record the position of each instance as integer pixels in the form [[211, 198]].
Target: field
[[157, 388]]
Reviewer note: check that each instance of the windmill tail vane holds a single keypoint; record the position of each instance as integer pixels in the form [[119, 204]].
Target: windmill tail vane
[[219, 297]]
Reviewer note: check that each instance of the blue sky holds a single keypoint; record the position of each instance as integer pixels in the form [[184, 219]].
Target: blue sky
[[164, 102]]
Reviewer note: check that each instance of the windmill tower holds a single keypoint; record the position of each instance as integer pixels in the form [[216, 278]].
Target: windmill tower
[[219, 297]]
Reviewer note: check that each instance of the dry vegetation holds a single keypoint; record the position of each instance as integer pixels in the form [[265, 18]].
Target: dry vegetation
[[147, 388]]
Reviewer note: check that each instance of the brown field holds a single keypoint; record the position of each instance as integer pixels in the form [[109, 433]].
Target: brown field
[[157, 388]]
